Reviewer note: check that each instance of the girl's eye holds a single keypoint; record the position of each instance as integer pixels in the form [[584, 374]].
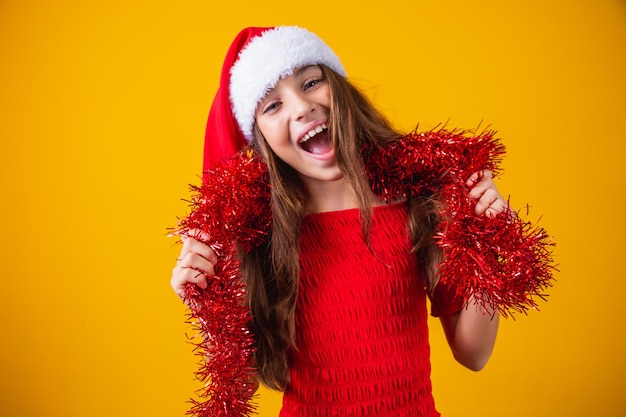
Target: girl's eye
[[312, 83], [271, 106]]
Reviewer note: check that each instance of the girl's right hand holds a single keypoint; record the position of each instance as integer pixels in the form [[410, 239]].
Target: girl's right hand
[[194, 265]]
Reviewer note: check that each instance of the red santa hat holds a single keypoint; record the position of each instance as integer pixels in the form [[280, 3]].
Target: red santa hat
[[256, 60]]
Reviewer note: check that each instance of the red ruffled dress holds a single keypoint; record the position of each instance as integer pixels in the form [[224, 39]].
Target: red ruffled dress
[[361, 321]]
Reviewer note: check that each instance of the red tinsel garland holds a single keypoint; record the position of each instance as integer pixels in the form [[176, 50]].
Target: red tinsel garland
[[233, 207], [503, 261]]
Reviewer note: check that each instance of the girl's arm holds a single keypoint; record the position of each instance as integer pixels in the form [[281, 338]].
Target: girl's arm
[[471, 333]]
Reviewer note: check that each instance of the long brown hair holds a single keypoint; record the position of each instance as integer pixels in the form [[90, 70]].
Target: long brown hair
[[271, 271]]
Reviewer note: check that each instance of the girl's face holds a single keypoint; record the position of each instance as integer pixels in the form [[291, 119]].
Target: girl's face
[[293, 118]]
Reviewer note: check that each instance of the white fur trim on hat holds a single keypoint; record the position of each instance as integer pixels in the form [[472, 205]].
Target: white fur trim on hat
[[267, 58]]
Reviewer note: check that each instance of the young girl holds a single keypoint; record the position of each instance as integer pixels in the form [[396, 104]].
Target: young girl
[[338, 291]]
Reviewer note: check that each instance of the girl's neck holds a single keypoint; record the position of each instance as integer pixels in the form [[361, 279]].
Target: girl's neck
[[326, 196]]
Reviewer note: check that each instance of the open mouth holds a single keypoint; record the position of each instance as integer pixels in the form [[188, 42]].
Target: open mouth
[[316, 141]]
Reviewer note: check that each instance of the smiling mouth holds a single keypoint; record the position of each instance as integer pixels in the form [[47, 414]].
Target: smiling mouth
[[316, 141]]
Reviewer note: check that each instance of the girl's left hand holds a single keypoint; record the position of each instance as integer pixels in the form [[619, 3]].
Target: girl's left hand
[[483, 189]]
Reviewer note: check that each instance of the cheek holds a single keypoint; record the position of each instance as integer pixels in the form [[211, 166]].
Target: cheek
[[276, 134], [265, 126]]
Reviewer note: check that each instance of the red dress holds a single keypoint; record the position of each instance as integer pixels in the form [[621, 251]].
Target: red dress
[[361, 321]]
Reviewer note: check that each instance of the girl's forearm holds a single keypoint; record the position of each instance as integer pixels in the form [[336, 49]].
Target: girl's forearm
[[472, 334]]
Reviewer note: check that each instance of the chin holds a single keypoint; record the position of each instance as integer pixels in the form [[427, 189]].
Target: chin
[[322, 177]]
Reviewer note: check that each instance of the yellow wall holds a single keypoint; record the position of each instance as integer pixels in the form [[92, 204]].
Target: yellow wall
[[102, 113]]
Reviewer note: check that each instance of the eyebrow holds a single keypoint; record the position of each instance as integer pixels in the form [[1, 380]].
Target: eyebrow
[[304, 68]]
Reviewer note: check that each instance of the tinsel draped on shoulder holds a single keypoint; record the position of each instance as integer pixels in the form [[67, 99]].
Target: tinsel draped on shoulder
[[504, 261], [421, 162]]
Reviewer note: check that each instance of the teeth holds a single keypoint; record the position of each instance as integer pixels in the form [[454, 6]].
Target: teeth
[[314, 132]]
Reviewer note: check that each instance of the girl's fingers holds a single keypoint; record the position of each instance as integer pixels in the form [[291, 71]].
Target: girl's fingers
[[484, 191], [491, 204], [480, 182], [184, 276], [476, 177], [192, 245], [193, 260], [194, 265]]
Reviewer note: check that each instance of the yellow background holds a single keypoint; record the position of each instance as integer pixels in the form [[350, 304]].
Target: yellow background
[[102, 113]]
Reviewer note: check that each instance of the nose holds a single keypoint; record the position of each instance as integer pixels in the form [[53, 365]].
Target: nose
[[302, 106]]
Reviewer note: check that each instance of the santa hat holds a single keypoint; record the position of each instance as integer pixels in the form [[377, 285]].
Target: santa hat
[[256, 60]]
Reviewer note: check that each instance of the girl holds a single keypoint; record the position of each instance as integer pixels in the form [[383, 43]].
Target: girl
[[338, 292]]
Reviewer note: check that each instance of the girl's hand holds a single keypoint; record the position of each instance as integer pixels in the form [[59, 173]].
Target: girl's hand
[[195, 263], [483, 189]]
